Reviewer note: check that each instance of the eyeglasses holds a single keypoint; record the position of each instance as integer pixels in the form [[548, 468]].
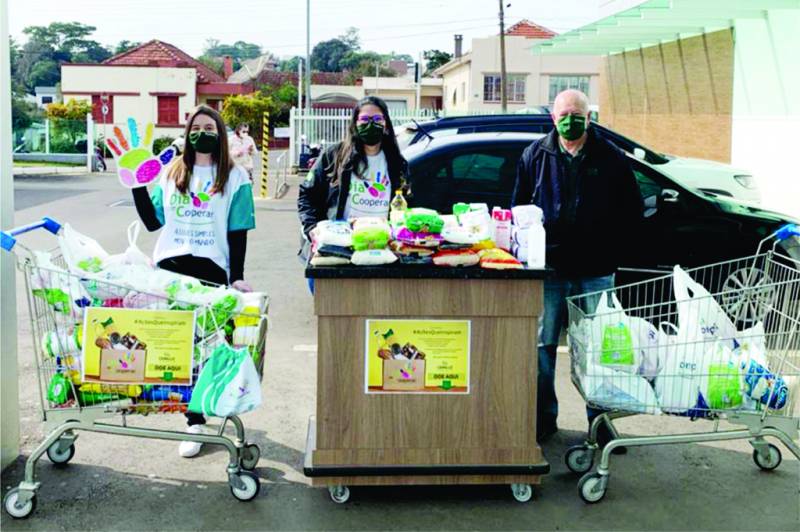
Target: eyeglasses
[[363, 119]]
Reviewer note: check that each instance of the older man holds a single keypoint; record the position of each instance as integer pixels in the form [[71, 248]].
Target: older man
[[592, 209]]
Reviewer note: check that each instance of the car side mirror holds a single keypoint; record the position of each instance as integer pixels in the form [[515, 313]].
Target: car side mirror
[[669, 195]]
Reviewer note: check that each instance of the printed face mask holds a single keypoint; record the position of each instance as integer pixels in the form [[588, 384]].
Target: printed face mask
[[203, 141], [371, 133], [571, 127]]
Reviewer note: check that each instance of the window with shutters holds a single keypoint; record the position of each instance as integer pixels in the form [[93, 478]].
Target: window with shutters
[[168, 110]]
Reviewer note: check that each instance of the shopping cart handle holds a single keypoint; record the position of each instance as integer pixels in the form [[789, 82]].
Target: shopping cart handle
[[787, 231], [8, 240]]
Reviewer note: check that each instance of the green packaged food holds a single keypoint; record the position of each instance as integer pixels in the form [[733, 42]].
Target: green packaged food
[[422, 220], [370, 238], [58, 389]]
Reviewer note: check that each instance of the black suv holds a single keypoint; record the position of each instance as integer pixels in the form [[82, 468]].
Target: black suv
[[683, 226]]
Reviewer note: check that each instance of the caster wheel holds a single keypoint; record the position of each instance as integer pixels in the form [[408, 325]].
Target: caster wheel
[[522, 492], [592, 487], [339, 494], [250, 456], [769, 462], [250, 489], [16, 509], [59, 457], [579, 459]]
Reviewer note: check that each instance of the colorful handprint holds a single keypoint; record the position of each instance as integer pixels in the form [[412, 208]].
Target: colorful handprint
[[136, 164], [200, 200], [379, 186]]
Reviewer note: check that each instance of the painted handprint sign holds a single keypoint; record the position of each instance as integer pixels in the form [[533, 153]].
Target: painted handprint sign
[[137, 166]]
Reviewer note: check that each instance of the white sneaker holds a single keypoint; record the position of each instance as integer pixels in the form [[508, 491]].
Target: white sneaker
[[190, 449]]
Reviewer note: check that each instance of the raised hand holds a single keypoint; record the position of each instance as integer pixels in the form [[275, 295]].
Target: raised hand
[[137, 166]]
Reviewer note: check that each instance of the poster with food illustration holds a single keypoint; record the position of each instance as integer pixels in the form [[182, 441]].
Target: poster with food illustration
[[130, 346], [417, 356]]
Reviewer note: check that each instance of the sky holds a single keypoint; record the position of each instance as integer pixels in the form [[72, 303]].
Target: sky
[[279, 26]]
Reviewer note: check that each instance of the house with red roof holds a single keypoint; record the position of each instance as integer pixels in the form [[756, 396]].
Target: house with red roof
[[154, 82], [471, 80]]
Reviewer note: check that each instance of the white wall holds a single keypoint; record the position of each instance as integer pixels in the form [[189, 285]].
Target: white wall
[[143, 108], [766, 109], [452, 81]]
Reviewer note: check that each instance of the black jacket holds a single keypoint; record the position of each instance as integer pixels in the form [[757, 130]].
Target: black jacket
[[608, 211], [317, 197]]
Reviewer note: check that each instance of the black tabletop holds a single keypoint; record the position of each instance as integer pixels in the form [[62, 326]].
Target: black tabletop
[[408, 271]]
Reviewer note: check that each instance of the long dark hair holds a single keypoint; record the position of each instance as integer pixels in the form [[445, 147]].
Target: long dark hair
[[181, 170], [351, 154]]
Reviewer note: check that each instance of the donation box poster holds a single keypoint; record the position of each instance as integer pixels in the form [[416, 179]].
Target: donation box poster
[[417, 356], [130, 346]]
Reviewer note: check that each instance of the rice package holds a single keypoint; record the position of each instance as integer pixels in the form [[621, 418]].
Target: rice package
[[498, 259], [460, 257], [370, 233], [403, 249], [332, 233], [328, 260], [373, 257], [424, 220], [407, 236]]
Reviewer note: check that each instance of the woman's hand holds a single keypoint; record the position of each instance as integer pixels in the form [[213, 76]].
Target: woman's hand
[[242, 286]]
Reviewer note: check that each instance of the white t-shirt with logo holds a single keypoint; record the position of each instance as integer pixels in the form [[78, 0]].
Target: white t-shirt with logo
[[370, 195], [197, 223]]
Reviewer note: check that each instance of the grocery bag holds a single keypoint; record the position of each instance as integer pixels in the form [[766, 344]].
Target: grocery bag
[[700, 317], [228, 384], [618, 390], [81, 253], [612, 338], [131, 255]]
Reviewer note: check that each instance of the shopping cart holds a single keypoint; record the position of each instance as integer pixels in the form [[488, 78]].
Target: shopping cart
[[55, 301], [716, 342]]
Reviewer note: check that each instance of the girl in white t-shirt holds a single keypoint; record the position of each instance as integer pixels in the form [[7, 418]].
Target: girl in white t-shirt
[[203, 205]]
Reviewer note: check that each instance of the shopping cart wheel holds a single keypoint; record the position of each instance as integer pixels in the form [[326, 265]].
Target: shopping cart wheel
[[770, 460], [247, 488], [16, 509], [339, 494], [522, 492], [60, 456], [592, 487], [579, 458], [250, 456]]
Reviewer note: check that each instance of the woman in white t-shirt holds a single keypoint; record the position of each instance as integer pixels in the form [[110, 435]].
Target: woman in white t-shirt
[[356, 177], [203, 205]]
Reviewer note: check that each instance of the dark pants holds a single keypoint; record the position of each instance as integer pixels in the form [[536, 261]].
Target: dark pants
[[207, 271], [556, 291]]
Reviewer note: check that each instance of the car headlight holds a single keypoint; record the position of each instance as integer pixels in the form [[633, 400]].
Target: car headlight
[[747, 181]]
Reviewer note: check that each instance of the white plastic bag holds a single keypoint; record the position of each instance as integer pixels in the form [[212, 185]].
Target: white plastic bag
[[332, 234], [373, 257], [614, 341], [82, 253], [612, 389], [700, 317], [132, 255]]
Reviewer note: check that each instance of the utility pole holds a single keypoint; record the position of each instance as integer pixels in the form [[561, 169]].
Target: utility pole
[[377, 75], [308, 55], [503, 80]]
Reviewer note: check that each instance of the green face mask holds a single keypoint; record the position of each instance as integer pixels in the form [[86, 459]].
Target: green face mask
[[571, 127], [203, 141], [371, 133]]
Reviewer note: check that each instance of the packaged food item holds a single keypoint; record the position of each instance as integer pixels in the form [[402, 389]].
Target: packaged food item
[[416, 260], [130, 390], [322, 260], [370, 233], [333, 233], [407, 236], [537, 245], [157, 392], [498, 259], [483, 244], [501, 228], [398, 208], [373, 257], [451, 246], [519, 243], [460, 257], [59, 389], [526, 215], [424, 220], [335, 251], [401, 248]]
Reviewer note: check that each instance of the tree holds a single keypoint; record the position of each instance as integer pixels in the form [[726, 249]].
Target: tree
[[68, 124], [213, 63], [125, 45], [247, 109], [290, 65], [351, 38], [402, 57], [283, 99], [23, 113], [327, 55], [435, 59], [240, 51]]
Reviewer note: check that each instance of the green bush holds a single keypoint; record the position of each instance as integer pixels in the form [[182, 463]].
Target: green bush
[[162, 142]]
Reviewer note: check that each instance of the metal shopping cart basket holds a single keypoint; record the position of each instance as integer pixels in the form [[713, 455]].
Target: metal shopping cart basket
[[716, 342], [56, 301]]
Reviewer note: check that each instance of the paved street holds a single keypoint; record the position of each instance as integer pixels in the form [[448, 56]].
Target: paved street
[[119, 483]]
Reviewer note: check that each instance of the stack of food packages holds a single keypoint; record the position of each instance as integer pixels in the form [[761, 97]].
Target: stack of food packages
[[129, 280], [422, 237]]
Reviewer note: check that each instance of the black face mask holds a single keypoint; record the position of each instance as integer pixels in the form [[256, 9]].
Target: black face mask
[[203, 141], [371, 133]]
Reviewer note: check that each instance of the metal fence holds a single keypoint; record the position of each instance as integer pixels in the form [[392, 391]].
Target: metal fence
[[56, 136]]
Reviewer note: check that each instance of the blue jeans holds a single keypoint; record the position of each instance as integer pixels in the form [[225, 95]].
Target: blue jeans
[[556, 290]]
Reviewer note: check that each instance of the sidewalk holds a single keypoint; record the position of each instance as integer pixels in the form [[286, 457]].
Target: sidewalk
[[48, 170]]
